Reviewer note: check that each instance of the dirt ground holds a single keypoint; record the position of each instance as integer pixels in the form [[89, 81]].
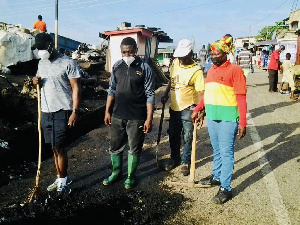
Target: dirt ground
[[265, 180], [18, 114], [89, 164], [151, 202]]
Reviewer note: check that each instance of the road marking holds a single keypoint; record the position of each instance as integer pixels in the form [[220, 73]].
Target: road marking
[[279, 208]]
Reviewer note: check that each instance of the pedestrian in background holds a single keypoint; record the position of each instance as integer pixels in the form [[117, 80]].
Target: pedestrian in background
[[230, 56], [224, 103], [273, 68], [186, 85], [40, 24], [290, 75], [129, 111], [253, 60], [286, 64], [59, 77], [245, 59], [202, 57]]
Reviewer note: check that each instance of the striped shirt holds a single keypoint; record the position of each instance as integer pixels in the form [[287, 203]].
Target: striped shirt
[[222, 86], [245, 57]]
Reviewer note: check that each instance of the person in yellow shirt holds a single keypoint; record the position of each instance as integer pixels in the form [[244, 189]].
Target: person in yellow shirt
[[186, 86], [290, 75], [40, 24]]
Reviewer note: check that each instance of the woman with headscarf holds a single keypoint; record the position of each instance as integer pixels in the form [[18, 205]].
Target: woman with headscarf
[[224, 104]]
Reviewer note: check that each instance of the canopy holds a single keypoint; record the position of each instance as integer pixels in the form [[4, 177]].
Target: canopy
[[272, 42]]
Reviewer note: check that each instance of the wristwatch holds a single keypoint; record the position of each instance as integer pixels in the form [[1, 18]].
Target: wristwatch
[[75, 111]]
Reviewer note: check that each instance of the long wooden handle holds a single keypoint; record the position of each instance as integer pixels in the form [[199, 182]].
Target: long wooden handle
[[40, 135], [191, 180], [160, 123]]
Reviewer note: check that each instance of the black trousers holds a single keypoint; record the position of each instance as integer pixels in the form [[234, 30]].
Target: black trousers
[[273, 80]]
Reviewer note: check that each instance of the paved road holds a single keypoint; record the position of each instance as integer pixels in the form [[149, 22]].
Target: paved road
[[269, 160], [266, 175]]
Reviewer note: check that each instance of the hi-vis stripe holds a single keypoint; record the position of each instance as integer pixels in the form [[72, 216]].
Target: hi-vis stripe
[[219, 94]]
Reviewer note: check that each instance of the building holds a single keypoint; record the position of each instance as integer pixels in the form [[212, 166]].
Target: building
[[293, 23], [164, 55], [239, 42], [289, 38], [147, 39]]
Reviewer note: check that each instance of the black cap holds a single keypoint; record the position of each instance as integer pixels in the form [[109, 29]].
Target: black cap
[[40, 41]]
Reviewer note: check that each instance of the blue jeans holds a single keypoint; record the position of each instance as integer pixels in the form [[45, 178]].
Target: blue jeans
[[181, 123], [123, 132], [222, 136]]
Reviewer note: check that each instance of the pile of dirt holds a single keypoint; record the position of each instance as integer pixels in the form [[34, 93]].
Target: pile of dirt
[[18, 116]]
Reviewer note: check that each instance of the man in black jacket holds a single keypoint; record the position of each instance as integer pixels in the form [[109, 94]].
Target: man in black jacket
[[129, 110]]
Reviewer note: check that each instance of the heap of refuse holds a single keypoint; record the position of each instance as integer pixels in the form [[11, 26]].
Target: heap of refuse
[[18, 97], [15, 45], [90, 59]]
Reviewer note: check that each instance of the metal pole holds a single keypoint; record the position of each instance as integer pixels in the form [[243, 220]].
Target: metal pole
[[56, 24]]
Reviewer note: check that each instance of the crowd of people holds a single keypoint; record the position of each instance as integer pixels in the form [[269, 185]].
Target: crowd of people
[[220, 98]]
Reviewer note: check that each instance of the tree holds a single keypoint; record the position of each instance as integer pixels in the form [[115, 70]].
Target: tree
[[267, 32]]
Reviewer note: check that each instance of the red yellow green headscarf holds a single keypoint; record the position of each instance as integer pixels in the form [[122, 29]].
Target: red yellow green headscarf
[[224, 45]]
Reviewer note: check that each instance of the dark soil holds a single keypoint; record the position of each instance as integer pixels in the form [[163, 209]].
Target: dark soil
[[133, 207], [18, 119], [149, 203]]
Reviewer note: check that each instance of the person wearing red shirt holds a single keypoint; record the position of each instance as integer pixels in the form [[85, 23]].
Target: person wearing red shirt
[[273, 69], [225, 106]]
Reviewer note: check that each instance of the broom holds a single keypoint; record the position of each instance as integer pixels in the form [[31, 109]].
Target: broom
[[36, 190]]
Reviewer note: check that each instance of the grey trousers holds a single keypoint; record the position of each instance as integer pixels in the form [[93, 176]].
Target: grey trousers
[[123, 132]]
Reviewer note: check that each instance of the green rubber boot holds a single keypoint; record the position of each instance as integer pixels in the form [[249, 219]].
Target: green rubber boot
[[117, 162], [133, 161]]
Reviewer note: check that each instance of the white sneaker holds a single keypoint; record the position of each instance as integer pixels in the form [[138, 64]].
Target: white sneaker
[[63, 189], [53, 187]]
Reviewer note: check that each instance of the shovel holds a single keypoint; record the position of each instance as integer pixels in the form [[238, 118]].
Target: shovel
[[36, 190], [159, 134]]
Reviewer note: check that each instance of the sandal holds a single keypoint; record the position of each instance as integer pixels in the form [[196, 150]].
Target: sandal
[[293, 99]]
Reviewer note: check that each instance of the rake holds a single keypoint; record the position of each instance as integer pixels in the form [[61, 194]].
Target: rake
[[36, 190]]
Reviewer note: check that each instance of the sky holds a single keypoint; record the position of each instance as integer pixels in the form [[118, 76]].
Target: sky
[[201, 21]]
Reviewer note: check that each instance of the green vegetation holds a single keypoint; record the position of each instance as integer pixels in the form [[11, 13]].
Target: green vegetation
[[267, 32]]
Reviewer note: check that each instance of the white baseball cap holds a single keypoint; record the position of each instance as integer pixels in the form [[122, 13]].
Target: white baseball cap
[[184, 48]]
